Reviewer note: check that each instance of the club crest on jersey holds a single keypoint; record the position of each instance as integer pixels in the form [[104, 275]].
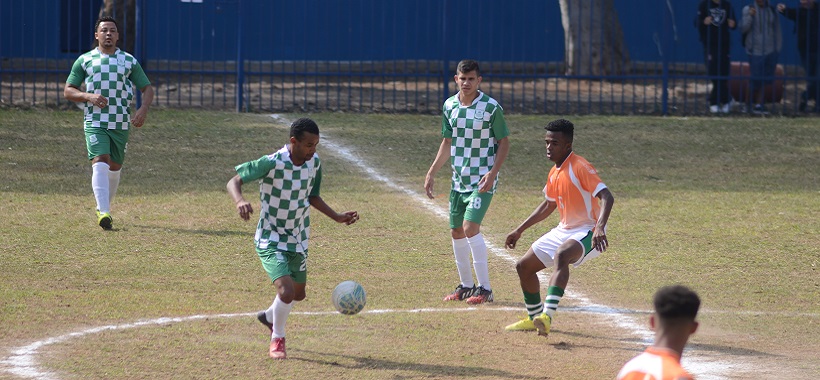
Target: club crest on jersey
[[121, 60], [718, 16], [479, 114]]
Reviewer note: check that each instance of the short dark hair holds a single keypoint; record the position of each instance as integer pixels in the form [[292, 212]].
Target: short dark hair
[[467, 65], [676, 302], [302, 126], [561, 125], [105, 19]]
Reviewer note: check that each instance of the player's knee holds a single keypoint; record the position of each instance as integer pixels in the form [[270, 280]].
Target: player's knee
[[523, 268], [564, 258], [287, 297]]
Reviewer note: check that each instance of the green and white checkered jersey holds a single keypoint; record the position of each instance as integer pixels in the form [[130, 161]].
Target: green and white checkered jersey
[[475, 131], [112, 76], [284, 215]]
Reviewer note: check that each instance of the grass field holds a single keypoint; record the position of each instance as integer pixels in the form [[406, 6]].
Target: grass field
[[726, 206]]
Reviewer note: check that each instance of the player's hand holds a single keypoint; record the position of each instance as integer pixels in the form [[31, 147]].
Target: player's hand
[[428, 186], [348, 217], [752, 11], [731, 23], [599, 240], [98, 100], [245, 210], [707, 20], [486, 183], [781, 7], [512, 238], [139, 117]]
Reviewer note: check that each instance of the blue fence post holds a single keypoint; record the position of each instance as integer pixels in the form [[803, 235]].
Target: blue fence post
[[137, 42], [445, 63], [667, 21], [240, 60]]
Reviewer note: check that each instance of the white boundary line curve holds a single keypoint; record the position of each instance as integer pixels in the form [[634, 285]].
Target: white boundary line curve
[[22, 360]]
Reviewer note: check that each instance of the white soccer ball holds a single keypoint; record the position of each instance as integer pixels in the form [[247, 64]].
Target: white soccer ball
[[349, 297]]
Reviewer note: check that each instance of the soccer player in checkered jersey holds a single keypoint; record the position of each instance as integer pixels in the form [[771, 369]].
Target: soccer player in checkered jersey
[[574, 189], [290, 181], [109, 75], [475, 142], [676, 308]]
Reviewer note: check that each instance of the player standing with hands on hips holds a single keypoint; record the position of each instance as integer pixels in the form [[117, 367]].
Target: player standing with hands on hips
[[291, 179], [474, 140], [572, 187], [109, 75]]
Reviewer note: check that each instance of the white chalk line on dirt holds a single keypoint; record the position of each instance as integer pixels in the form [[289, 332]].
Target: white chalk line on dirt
[[23, 362]]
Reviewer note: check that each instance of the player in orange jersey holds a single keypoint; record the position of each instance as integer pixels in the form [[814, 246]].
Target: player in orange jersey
[[572, 187], [673, 321]]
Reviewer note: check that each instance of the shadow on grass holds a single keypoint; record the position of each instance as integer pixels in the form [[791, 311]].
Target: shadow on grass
[[194, 232], [431, 370], [700, 348]]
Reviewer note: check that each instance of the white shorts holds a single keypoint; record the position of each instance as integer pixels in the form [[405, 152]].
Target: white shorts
[[545, 247]]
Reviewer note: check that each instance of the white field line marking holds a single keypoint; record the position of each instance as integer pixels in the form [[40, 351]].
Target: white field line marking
[[22, 361], [703, 370]]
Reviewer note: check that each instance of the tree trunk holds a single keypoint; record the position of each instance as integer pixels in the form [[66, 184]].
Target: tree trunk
[[125, 12], [593, 39]]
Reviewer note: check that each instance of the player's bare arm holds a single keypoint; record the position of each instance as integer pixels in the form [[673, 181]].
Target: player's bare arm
[[486, 182], [235, 191], [347, 217], [142, 112], [442, 157], [74, 94], [540, 213], [599, 240]]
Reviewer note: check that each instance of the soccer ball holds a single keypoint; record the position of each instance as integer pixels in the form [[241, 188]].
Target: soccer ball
[[349, 297]]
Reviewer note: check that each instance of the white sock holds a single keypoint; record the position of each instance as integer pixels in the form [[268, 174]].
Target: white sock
[[99, 183], [113, 183], [461, 249], [479, 248], [280, 312]]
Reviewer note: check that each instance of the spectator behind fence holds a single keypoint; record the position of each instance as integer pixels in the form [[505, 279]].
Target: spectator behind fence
[[676, 308], [806, 18], [762, 39], [715, 19]]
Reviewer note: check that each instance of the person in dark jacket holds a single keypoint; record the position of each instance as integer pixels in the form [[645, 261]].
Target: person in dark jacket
[[763, 41], [715, 19], [806, 19]]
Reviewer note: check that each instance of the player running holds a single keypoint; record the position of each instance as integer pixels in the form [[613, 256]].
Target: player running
[[290, 182]]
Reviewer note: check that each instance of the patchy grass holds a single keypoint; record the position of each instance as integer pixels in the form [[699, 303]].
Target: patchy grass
[[727, 206]]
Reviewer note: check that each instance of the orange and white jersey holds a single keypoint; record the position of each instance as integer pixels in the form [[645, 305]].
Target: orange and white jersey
[[656, 363], [573, 187]]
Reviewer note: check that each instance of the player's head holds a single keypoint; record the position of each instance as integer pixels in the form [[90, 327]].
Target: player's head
[[562, 125], [106, 32], [468, 78], [676, 307], [468, 65], [559, 140], [301, 126], [304, 137]]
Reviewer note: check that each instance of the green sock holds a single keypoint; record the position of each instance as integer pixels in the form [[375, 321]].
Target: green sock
[[533, 303], [554, 295]]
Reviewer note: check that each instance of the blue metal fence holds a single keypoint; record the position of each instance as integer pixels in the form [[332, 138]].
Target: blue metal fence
[[371, 55]]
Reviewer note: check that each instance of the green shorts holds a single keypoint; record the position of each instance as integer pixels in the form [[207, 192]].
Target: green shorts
[[113, 142], [469, 206], [280, 263]]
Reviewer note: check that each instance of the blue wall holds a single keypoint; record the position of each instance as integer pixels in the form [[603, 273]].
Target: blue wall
[[522, 30]]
